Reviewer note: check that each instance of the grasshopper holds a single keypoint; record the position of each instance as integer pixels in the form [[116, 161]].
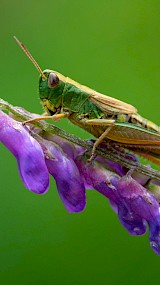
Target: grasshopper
[[104, 117]]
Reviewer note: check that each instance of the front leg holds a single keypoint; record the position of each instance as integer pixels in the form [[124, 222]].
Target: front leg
[[55, 117]]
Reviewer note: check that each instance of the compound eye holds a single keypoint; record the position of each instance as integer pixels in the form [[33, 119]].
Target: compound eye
[[53, 80]]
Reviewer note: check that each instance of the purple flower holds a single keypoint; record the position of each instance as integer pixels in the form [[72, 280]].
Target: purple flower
[[40, 153], [28, 152], [66, 174], [142, 205]]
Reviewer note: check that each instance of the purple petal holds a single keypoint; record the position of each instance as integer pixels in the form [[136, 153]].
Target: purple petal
[[67, 147], [144, 205], [133, 223], [28, 152], [69, 183], [154, 235], [97, 176]]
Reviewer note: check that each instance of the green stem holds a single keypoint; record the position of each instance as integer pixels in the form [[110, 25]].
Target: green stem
[[111, 154]]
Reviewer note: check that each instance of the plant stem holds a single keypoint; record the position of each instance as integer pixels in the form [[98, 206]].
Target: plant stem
[[108, 153]]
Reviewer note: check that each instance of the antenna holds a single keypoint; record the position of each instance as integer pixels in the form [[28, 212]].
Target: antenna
[[22, 46]]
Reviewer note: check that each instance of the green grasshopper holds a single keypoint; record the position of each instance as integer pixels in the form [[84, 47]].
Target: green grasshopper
[[104, 117]]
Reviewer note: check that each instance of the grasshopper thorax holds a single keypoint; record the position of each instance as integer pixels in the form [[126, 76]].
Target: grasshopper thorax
[[50, 90]]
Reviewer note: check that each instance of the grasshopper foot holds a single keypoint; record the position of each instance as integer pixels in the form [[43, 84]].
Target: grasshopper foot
[[92, 158], [24, 123]]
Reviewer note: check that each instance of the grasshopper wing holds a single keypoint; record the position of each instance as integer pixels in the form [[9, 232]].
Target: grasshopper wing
[[111, 105]]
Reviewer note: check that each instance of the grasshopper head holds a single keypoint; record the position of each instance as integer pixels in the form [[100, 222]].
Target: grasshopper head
[[51, 87]]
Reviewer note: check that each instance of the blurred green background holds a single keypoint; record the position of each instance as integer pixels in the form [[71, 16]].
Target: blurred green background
[[113, 47]]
